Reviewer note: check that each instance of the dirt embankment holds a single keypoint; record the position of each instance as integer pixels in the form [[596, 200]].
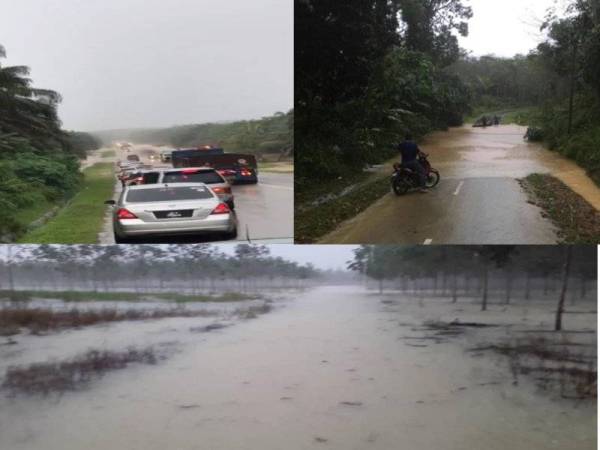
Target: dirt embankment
[[578, 221]]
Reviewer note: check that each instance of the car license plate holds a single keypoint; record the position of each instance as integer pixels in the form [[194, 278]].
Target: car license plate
[[173, 214]]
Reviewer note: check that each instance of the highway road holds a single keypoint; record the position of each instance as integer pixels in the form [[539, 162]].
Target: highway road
[[265, 210]]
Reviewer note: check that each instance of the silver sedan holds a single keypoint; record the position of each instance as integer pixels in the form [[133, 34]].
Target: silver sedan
[[151, 210]]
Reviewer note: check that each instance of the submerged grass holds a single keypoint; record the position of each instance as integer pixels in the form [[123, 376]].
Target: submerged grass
[[39, 320], [313, 222], [578, 221], [45, 378], [83, 296]]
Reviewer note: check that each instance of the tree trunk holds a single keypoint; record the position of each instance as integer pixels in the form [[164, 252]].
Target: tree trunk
[[527, 286], [485, 288], [572, 83], [563, 293], [509, 283], [454, 287]]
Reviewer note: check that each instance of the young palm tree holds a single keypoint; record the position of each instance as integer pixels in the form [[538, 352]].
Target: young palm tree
[[27, 111]]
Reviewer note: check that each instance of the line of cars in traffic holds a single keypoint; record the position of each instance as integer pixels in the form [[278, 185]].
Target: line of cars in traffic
[[169, 201]]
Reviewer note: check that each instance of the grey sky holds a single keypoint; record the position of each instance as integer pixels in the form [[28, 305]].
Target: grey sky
[[505, 27], [140, 63], [321, 256]]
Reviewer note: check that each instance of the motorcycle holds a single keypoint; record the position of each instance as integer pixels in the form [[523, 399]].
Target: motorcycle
[[404, 179]]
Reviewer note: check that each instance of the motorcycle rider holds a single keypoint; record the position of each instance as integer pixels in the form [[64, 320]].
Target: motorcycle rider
[[410, 152]]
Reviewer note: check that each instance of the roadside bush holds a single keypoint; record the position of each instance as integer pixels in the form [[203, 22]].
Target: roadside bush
[[27, 177]]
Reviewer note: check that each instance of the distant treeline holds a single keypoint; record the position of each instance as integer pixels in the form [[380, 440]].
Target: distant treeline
[[147, 267], [560, 79], [367, 73], [494, 273], [39, 162], [273, 134]]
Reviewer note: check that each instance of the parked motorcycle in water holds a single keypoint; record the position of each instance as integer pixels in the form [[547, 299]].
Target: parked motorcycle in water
[[404, 179]]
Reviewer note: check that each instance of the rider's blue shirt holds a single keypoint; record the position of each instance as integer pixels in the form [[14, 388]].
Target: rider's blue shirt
[[409, 151]]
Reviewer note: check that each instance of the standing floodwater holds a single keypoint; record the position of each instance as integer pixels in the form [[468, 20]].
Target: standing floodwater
[[331, 367], [479, 199]]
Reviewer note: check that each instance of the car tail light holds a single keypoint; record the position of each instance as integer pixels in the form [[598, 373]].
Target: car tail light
[[246, 173], [226, 172], [123, 213], [221, 208], [222, 190]]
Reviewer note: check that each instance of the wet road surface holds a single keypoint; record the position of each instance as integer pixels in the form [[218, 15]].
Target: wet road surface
[[265, 211], [478, 201], [327, 370]]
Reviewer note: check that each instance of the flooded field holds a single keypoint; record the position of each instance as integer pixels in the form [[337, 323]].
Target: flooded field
[[333, 367]]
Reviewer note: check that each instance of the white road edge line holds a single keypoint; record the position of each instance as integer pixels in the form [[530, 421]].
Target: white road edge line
[[428, 242], [460, 185]]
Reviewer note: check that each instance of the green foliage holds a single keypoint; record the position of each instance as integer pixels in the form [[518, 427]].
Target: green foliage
[[271, 134], [81, 143], [560, 79], [81, 220], [361, 84], [431, 26], [37, 159]]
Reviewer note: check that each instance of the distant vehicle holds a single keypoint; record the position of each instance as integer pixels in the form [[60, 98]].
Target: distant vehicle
[[153, 210], [235, 167], [133, 158], [165, 156], [140, 176]]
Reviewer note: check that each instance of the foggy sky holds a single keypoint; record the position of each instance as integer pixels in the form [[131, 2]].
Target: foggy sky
[[144, 63], [505, 27], [321, 256]]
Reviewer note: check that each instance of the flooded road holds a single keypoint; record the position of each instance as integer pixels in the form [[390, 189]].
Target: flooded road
[[479, 199], [328, 369], [265, 210]]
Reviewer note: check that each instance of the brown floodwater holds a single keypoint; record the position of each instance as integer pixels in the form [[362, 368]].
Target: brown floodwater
[[502, 152], [327, 370], [479, 199]]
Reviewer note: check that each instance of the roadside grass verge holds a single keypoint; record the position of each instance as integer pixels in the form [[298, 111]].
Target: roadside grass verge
[[87, 296], [578, 222], [80, 221], [40, 206], [312, 222], [276, 167]]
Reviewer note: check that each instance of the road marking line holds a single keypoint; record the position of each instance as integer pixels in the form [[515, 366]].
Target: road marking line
[[460, 185], [428, 242]]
